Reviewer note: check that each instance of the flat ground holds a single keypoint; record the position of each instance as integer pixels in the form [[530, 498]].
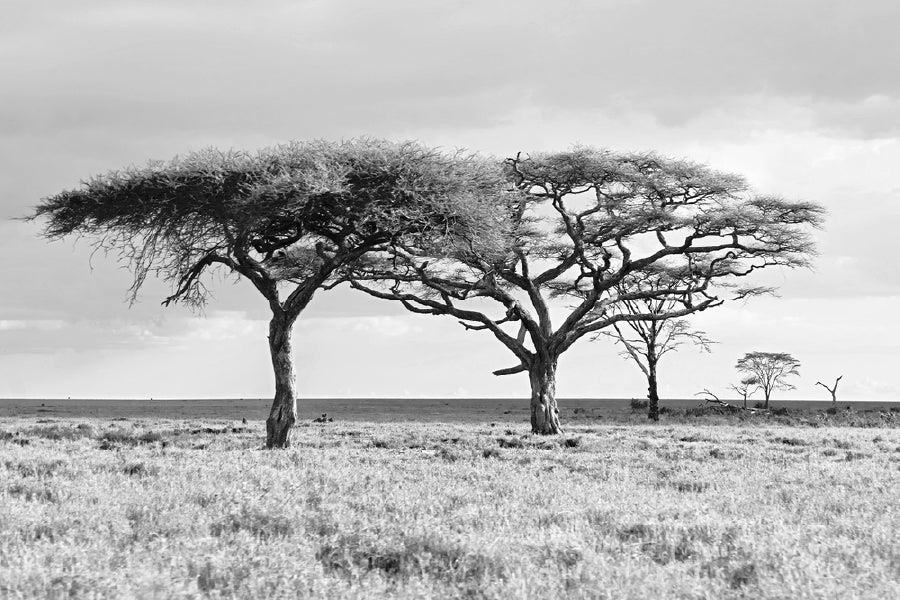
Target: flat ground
[[401, 410], [720, 508]]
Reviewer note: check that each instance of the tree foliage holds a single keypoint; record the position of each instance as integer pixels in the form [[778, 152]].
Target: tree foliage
[[287, 218], [292, 213], [578, 226], [748, 386], [770, 370]]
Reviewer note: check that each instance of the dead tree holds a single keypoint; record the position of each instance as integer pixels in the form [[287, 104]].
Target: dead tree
[[832, 390]]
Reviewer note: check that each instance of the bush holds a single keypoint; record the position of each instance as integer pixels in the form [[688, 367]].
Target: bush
[[127, 438], [60, 432], [510, 442], [637, 404], [490, 453]]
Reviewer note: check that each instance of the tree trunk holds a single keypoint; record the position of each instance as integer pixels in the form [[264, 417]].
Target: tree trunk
[[544, 411], [766, 405], [652, 394], [284, 406]]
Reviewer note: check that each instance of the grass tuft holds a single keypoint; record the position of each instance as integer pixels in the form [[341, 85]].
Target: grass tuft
[[255, 520], [790, 441], [511, 442], [140, 469]]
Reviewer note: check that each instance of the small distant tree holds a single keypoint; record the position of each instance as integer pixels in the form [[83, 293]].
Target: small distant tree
[[833, 389], [770, 369], [287, 219], [647, 341], [747, 387]]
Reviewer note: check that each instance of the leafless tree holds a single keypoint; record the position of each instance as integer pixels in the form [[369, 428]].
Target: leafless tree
[[287, 219], [646, 342], [574, 226], [747, 387], [832, 390], [770, 370]]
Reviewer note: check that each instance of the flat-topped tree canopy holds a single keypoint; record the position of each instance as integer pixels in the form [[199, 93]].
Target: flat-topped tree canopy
[[581, 225], [288, 218], [288, 213]]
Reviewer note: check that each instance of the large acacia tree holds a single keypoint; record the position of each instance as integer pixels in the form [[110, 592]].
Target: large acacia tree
[[287, 219], [574, 226]]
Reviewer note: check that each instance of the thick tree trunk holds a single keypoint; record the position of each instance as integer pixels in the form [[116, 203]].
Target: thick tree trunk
[[284, 406], [766, 405], [544, 411], [652, 395]]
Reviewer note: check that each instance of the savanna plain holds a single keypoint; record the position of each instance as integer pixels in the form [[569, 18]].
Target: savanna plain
[[703, 504]]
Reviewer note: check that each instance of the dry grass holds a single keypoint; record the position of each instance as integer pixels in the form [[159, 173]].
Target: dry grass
[[93, 508]]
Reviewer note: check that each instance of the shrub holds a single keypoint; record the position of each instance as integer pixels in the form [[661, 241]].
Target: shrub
[[127, 438], [448, 455], [510, 442], [787, 441], [60, 432], [410, 556], [490, 453]]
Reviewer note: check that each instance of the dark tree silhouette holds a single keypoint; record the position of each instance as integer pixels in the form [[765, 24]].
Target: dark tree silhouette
[[747, 387], [770, 370], [574, 226], [287, 219], [832, 390], [646, 342]]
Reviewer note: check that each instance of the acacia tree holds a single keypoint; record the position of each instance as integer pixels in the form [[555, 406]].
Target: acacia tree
[[770, 370], [574, 226], [747, 387], [647, 341], [286, 218]]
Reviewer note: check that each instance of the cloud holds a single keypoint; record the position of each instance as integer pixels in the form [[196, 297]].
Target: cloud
[[801, 97], [386, 326], [342, 68], [34, 324]]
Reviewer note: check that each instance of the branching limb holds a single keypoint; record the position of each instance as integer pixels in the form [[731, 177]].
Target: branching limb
[[512, 370], [832, 390]]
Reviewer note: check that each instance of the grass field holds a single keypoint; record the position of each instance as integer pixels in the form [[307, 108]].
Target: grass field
[[430, 410], [159, 508]]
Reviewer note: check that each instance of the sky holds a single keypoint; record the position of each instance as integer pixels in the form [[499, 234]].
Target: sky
[[802, 97]]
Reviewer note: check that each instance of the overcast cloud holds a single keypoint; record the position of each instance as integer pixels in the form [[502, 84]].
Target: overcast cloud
[[802, 97]]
